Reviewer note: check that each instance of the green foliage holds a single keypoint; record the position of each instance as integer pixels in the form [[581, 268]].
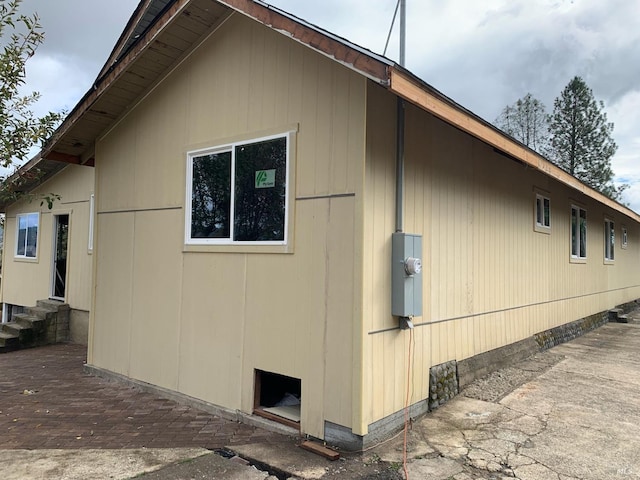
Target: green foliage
[[581, 141], [576, 137], [20, 129], [527, 121]]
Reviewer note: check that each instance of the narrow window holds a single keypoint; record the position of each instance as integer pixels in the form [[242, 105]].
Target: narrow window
[[578, 232], [27, 235], [92, 208], [543, 213], [238, 193], [624, 237], [609, 240]]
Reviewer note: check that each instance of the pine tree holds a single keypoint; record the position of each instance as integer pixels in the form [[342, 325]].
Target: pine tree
[[581, 140], [527, 121]]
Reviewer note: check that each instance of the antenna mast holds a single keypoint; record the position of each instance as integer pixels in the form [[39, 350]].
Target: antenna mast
[[403, 30], [402, 6]]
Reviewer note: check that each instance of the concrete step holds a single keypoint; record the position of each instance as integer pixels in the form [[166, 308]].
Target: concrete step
[[24, 333], [41, 312], [613, 314], [37, 323], [51, 305], [623, 318], [46, 323], [8, 342]]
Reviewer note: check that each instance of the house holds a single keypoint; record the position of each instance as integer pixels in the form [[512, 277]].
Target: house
[[246, 171], [47, 252]]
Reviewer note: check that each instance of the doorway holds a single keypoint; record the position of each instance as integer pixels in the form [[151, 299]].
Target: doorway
[[59, 264]]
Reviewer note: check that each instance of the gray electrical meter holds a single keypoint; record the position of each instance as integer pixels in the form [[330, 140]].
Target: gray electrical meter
[[406, 275]]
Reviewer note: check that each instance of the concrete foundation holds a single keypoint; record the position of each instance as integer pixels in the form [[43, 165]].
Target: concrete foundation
[[480, 365], [446, 379], [79, 326]]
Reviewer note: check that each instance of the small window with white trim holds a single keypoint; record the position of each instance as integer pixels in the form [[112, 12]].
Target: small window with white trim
[[27, 235], [237, 193], [92, 211], [578, 233], [542, 214], [624, 237], [609, 240]]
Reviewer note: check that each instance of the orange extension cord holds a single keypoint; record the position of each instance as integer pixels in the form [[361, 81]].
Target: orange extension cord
[[406, 409]]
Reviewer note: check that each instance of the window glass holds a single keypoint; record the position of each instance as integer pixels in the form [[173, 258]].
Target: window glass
[[239, 193], [574, 232], [260, 191], [211, 196], [609, 240], [547, 212], [578, 232], [583, 233], [92, 214], [543, 211], [27, 241]]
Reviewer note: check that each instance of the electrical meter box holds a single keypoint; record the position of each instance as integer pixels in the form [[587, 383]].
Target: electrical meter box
[[406, 275]]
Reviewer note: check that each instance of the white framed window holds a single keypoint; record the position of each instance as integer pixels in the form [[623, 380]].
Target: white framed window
[[27, 235], [92, 210], [609, 240], [624, 237], [578, 233], [237, 193], [542, 214]]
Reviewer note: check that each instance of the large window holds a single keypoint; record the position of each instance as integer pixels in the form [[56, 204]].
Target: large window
[[578, 232], [609, 239], [27, 235], [238, 193]]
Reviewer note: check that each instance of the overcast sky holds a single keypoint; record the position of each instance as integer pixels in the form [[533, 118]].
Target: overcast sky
[[482, 54]]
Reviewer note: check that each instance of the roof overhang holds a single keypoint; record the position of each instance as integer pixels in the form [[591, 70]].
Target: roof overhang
[[414, 90]]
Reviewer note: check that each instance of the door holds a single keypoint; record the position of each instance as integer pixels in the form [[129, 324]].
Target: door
[[59, 267]]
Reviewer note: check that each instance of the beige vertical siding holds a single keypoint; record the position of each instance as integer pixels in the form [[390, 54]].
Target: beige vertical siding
[[489, 278], [25, 282], [201, 320]]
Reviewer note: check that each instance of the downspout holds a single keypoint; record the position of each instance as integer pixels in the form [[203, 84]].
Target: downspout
[[399, 165]]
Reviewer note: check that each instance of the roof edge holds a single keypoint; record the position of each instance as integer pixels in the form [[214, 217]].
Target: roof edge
[[355, 57], [416, 91]]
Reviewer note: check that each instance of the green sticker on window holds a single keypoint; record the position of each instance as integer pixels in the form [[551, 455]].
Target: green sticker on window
[[266, 178]]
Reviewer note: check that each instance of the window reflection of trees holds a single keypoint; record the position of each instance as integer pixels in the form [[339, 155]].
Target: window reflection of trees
[[258, 213], [211, 196]]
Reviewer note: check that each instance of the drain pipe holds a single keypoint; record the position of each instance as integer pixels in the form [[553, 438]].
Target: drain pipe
[[406, 249], [399, 165]]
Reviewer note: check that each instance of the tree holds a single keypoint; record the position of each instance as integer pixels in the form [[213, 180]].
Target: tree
[[527, 121], [581, 140], [20, 129]]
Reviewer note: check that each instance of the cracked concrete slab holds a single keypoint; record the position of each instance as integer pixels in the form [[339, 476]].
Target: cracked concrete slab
[[576, 415]]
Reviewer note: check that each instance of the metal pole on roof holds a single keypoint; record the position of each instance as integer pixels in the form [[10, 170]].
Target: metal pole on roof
[[400, 129], [403, 30]]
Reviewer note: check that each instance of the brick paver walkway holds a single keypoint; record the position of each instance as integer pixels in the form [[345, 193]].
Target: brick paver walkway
[[46, 401]]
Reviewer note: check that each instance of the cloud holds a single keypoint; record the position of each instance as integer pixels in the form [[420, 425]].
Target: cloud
[[84, 29], [484, 55], [51, 75]]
